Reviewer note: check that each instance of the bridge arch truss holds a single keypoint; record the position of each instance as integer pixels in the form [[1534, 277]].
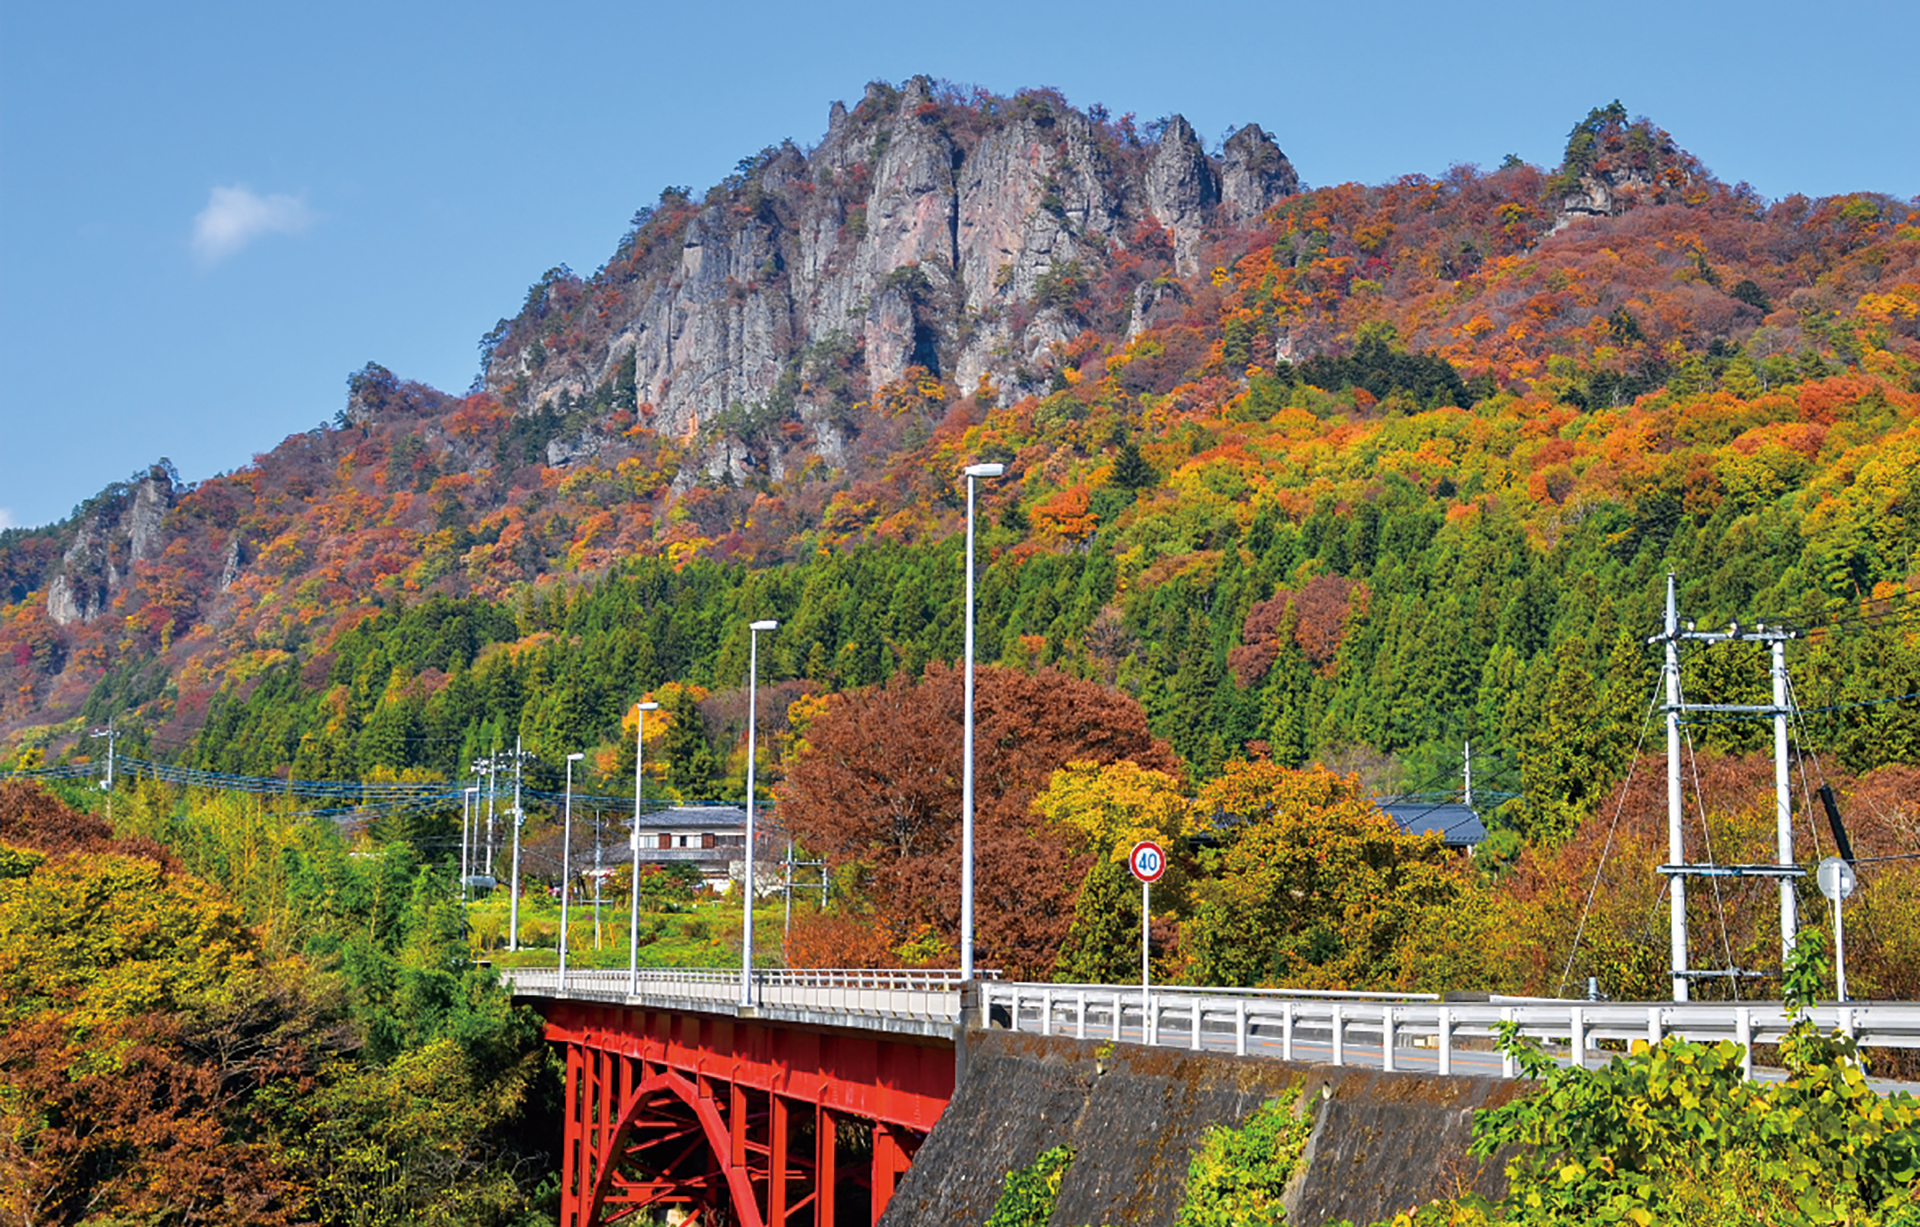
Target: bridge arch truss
[[744, 1121]]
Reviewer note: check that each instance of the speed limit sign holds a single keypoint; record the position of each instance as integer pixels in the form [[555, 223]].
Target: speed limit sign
[[1148, 861]]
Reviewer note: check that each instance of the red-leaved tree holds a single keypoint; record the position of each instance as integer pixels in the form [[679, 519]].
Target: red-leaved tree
[[878, 787]]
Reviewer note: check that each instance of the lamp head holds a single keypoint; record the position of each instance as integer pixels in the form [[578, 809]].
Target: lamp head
[[984, 470], [576, 757], [646, 707], [765, 624]]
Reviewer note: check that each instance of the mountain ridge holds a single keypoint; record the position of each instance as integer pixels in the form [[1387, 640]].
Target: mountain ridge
[[1623, 332]]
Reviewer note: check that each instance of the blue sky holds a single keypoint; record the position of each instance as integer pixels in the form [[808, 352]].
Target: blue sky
[[210, 214]]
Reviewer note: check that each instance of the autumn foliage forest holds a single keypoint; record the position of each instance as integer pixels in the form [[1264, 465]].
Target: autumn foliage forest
[[1401, 467]]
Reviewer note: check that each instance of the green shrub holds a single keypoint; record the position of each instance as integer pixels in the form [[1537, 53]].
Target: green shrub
[[1677, 1134], [1238, 1176], [1027, 1200]]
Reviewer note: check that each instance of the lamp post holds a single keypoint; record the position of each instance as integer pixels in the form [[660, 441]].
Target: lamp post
[[753, 682], [566, 869], [633, 913], [973, 472]]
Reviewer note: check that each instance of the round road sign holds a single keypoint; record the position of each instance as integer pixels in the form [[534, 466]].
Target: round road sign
[[1835, 877], [1148, 861]]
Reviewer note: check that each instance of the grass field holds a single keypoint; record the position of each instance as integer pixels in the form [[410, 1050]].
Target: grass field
[[702, 934]]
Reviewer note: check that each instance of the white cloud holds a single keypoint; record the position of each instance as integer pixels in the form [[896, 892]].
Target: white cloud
[[7, 520], [236, 216]]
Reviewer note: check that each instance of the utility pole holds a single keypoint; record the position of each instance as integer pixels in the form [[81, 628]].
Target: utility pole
[[519, 818], [1678, 869], [466, 820], [1783, 799], [486, 766], [1676, 834], [1466, 768], [112, 735], [786, 935]]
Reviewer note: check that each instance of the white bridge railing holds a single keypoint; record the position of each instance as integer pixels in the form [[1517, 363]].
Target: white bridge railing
[[1417, 1031], [925, 995], [1391, 1031]]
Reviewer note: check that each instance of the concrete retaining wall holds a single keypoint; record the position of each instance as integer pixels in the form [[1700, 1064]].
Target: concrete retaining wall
[[1134, 1115]]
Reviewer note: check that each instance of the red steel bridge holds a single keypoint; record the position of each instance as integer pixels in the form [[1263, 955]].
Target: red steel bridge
[[803, 1108]]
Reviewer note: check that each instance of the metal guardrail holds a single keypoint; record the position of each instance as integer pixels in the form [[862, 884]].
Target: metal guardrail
[[859, 993], [1410, 1032]]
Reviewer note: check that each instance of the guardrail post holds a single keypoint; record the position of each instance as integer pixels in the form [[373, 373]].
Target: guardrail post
[[1386, 1038], [1654, 1021], [1080, 1015], [1286, 1031], [1046, 1011], [1846, 1021], [1150, 1022], [1506, 1054], [1339, 1037], [1197, 1004], [1576, 1038], [1443, 1039], [1013, 1007], [1743, 1035], [986, 1005], [1240, 1027]]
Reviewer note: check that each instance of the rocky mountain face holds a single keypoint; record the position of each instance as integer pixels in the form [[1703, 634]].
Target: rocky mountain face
[[924, 230], [116, 529]]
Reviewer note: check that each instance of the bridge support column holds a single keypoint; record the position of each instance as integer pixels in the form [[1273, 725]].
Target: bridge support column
[[777, 1173], [825, 1172], [573, 1157], [889, 1160], [737, 1124]]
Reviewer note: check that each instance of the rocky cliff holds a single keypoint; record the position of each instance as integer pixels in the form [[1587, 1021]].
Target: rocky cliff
[[953, 233], [114, 530]]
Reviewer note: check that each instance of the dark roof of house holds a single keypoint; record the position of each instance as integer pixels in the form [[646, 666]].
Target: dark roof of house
[[716, 816], [1457, 825]]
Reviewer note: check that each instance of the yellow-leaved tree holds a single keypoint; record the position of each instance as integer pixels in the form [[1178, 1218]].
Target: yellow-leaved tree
[[1110, 807]]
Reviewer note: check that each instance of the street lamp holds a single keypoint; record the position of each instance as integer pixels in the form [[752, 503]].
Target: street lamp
[[973, 473], [753, 681], [566, 869], [633, 914]]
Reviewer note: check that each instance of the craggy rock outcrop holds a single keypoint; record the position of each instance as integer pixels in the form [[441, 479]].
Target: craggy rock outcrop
[[1254, 174], [1134, 1116], [1182, 188], [1614, 166], [925, 229], [118, 528]]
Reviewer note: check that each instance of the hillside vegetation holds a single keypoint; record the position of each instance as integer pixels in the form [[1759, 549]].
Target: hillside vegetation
[[1306, 488]]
